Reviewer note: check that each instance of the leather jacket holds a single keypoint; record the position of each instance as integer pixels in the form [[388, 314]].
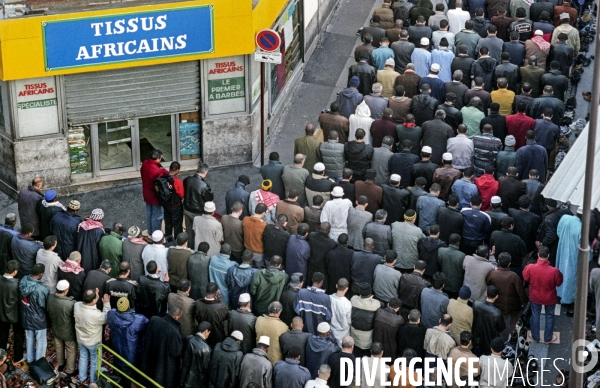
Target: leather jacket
[[411, 286], [197, 192], [488, 323], [195, 371]]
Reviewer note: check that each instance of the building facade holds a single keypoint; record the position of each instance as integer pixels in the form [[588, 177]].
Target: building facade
[[86, 94]]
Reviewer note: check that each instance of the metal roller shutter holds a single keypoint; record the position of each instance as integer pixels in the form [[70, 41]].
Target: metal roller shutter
[[134, 92]]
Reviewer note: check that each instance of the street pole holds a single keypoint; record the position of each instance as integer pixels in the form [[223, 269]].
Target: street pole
[[262, 113], [576, 379]]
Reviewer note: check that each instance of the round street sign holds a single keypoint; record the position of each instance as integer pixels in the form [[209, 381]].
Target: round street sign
[[268, 40]]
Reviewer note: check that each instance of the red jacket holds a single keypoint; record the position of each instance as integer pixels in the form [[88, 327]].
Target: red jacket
[[488, 187], [517, 125], [150, 170], [543, 280]]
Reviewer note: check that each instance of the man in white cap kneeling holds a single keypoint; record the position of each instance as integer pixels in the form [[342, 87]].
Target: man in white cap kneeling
[[256, 367], [336, 213], [157, 252], [226, 361], [319, 347]]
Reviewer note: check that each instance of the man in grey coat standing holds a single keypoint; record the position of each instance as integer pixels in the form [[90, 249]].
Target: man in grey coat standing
[[380, 161], [274, 171], [332, 153]]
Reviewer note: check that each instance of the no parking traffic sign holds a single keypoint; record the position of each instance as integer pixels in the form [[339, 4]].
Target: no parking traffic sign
[[268, 40]]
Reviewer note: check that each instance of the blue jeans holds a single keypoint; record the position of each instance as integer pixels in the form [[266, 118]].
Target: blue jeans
[[88, 353], [154, 217], [536, 310], [36, 344]]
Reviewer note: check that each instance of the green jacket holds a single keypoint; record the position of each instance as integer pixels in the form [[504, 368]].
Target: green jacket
[[451, 262], [111, 249], [266, 287], [60, 309]]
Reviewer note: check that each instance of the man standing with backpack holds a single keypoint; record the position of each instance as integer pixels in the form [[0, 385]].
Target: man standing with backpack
[[169, 190], [152, 169]]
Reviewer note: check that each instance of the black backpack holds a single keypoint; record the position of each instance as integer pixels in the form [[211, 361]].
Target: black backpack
[[165, 190]]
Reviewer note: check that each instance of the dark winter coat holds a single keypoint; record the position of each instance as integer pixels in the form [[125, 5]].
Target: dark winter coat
[[225, 364], [563, 54], [287, 300], [428, 252], [9, 300], [510, 189], [484, 67], [436, 134], [526, 226], [33, 304], [6, 235], [267, 285], [358, 158], [516, 50], [425, 170], [24, 250], [558, 81], [195, 363], [64, 226], [320, 244], [453, 114], [126, 334], [87, 245], [76, 284], [450, 221], [348, 99], [366, 74], [498, 123], [215, 313], [395, 202], [488, 323], [423, 107], [411, 336], [45, 214], [197, 192], [295, 338], [273, 171], [238, 194], [299, 254], [402, 52], [402, 163], [256, 368], [275, 242], [506, 241], [152, 296], [547, 235], [363, 266], [290, 373], [28, 201], [338, 262], [197, 269], [385, 330], [411, 286], [458, 88], [243, 321], [538, 105], [532, 156], [510, 71], [464, 64], [238, 280], [318, 350]]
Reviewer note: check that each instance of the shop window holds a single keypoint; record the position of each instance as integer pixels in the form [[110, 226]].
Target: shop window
[[80, 149], [289, 30], [189, 136], [155, 134], [115, 145], [122, 145]]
